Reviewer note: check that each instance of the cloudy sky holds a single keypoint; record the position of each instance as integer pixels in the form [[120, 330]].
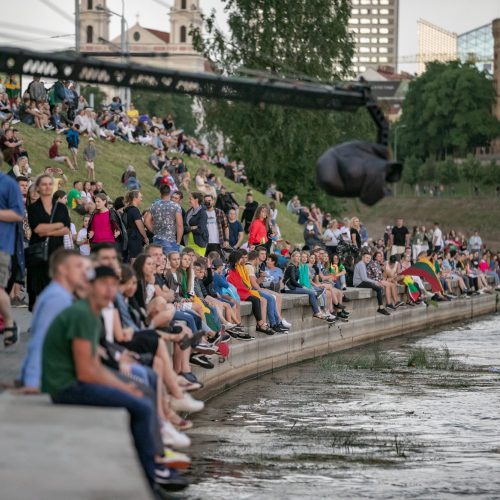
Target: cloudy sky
[[35, 23]]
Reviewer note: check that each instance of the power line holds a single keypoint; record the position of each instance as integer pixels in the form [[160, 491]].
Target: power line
[[58, 10], [24, 28]]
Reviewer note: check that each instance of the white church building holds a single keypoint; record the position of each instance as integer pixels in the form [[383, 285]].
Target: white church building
[[174, 49]]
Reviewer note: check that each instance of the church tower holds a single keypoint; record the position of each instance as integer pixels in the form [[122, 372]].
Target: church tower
[[94, 23], [184, 15]]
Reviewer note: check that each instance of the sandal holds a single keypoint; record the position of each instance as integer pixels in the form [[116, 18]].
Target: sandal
[[264, 329], [9, 341]]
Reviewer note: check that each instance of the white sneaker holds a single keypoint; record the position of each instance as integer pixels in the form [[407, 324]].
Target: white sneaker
[[286, 323], [187, 403], [172, 437], [14, 121]]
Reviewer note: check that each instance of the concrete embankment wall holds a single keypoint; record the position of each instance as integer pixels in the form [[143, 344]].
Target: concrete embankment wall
[[310, 338]]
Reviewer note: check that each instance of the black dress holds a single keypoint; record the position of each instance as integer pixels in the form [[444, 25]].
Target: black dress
[[38, 276], [135, 239]]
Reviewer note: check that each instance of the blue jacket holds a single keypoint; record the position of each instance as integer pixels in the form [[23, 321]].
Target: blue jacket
[[73, 138]]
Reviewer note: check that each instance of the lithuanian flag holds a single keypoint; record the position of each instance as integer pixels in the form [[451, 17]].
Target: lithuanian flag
[[413, 290], [425, 269]]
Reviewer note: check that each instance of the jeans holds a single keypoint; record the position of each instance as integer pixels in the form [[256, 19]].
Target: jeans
[[189, 318], [141, 411], [378, 290], [312, 297], [272, 311], [167, 246]]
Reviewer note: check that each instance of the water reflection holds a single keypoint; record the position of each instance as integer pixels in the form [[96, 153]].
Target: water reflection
[[361, 425]]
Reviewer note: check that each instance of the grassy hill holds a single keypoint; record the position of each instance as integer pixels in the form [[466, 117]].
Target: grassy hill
[[466, 214], [112, 160]]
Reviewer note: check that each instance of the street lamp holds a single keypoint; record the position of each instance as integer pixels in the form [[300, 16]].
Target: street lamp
[[123, 41], [396, 140]]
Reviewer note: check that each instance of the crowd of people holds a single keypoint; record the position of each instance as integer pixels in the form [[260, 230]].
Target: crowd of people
[[127, 298]]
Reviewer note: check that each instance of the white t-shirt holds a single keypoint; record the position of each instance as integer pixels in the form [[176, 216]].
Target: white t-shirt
[[330, 238], [82, 236], [86, 197], [213, 231], [437, 238]]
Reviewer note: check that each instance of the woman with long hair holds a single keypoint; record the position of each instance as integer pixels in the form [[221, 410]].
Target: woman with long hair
[[238, 277], [259, 230], [355, 233], [202, 184], [333, 295], [104, 224], [49, 221], [293, 284], [136, 230], [196, 224]]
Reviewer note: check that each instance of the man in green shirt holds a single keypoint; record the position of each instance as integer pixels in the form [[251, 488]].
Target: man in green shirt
[[73, 374], [75, 201]]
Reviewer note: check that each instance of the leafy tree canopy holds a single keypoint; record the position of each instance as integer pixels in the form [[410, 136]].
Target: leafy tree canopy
[[306, 39], [447, 111]]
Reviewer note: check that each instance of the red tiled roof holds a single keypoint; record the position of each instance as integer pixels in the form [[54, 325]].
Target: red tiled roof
[[162, 35]]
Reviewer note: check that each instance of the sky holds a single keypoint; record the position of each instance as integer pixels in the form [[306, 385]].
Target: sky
[[38, 22]]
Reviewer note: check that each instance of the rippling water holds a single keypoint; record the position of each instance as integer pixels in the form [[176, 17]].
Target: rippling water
[[361, 425]]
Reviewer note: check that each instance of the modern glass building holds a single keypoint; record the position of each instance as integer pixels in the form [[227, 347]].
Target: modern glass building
[[477, 45], [374, 25]]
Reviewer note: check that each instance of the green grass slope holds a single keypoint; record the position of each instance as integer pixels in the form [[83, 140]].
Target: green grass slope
[[112, 160], [465, 213]]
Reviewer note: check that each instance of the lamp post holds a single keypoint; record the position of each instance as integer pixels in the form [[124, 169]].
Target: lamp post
[[123, 42], [396, 148]]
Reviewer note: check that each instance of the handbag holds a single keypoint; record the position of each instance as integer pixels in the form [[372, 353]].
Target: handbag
[[38, 253]]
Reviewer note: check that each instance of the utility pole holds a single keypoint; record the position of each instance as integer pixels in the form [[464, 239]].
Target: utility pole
[[77, 28]]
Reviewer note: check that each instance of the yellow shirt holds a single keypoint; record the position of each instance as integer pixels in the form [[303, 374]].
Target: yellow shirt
[[133, 116]]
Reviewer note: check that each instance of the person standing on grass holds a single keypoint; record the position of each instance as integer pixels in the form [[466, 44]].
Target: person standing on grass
[[48, 219], [73, 140], [105, 225], [11, 218], [136, 231], [89, 155], [164, 220]]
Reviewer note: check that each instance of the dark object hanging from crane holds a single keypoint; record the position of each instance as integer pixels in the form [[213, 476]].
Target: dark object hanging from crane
[[350, 169]]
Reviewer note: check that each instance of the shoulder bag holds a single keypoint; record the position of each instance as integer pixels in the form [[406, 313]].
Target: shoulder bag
[[38, 253]]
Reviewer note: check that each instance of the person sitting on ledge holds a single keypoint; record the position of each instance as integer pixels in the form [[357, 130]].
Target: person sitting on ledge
[[361, 280], [291, 280], [72, 374]]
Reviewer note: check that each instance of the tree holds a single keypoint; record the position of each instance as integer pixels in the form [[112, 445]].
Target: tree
[[448, 111], [161, 104], [411, 170], [447, 172], [285, 38], [99, 95]]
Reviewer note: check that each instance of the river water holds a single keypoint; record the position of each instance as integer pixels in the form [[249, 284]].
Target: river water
[[362, 424]]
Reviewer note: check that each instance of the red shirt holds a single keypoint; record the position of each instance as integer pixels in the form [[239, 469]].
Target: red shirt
[[53, 151], [235, 279], [257, 232], [101, 225]]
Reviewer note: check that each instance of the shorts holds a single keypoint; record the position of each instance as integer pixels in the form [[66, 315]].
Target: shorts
[[90, 164], [74, 151], [60, 159], [4, 269]]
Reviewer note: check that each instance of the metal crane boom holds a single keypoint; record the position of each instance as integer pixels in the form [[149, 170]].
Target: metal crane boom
[[307, 95]]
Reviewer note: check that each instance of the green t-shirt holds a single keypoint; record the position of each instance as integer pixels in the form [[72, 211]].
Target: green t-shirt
[[73, 195], [58, 367]]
